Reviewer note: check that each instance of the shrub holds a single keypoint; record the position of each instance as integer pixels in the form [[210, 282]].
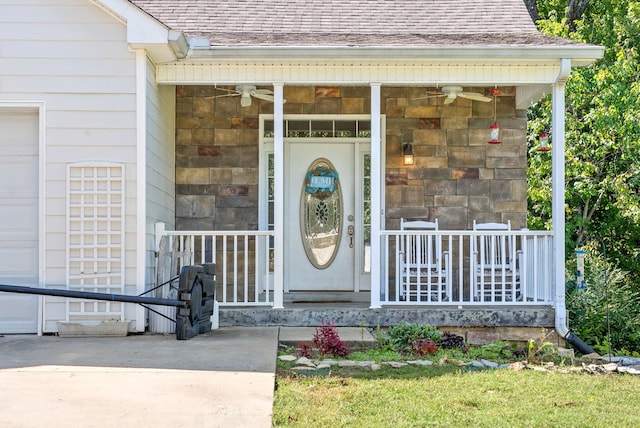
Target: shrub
[[328, 342], [403, 337], [608, 289]]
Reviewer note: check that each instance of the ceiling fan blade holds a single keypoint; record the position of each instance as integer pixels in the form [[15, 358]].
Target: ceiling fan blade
[[262, 91], [449, 100], [265, 97], [474, 96], [429, 96], [222, 96]]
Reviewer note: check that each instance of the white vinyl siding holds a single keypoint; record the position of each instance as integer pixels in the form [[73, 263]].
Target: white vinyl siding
[[74, 57], [160, 162]]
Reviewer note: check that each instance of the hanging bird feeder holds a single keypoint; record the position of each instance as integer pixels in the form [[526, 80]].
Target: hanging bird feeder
[[494, 128], [543, 142]]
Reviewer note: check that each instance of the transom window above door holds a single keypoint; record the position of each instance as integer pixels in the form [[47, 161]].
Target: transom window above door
[[321, 128]]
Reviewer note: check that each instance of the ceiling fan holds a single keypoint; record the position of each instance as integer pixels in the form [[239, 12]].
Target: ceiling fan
[[245, 92], [452, 92]]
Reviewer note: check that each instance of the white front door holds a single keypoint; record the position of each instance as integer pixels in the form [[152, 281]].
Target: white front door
[[320, 224], [18, 219]]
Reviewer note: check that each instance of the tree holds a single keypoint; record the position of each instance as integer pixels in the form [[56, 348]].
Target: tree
[[602, 131]]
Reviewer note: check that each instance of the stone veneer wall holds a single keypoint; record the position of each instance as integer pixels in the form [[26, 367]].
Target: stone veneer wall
[[457, 176]]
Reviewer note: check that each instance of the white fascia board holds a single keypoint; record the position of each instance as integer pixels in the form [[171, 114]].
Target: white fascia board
[[580, 55], [146, 32]]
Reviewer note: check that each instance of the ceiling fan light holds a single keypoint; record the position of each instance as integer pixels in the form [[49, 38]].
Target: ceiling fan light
[[245, 99]]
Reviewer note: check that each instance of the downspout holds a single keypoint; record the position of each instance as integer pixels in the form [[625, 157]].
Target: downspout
[[558, 211]]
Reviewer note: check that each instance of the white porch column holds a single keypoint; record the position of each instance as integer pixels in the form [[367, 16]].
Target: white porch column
[[558, 193], [278, 203], [376, 193]]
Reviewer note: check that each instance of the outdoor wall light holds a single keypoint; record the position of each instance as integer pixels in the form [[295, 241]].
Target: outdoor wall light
[[407, 153], [543, 142]]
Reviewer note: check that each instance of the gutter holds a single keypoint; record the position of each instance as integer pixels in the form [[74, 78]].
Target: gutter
[[558, 213]]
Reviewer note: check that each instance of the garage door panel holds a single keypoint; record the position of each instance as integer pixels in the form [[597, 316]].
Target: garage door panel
[[19, 132], [18, 261], [19, 143]]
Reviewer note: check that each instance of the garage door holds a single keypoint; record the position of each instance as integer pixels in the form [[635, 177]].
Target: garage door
[[18, 218]]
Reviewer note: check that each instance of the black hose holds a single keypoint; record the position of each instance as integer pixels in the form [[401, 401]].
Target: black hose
[[93, 296], [582, 347]]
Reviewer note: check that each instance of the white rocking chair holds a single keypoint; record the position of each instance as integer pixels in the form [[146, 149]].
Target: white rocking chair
[[424, 270], [496, 264]]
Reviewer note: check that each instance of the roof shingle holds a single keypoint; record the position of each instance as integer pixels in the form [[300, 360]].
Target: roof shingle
[[351, 23]]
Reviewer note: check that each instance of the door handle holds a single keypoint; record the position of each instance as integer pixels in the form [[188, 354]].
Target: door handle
[[350, 231]]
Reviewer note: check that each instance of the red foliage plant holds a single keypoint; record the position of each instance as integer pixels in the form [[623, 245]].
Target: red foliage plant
[[423, 347], [328, 342]]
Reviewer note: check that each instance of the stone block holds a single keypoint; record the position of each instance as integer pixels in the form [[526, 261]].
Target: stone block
[[479, 137], [430, 137], [450, 201], [356, 92], [354, 106], [215, 122], [184, 136], [474, 187], [234, 190], [479, 203], [468, 173], [208, 151], [226, 107], [187, 122], [510, 173], [220, 175], [466, 157], [413, 196], [245, 123], [501, 190], [203, 137], [202, 107], [511, 163], [454, 123], [328, 91], [430, 162], [328, 105], [455, 111], [225, 137], [203, 206], [510, 206], [481, 337], [394, 111], [440, 187], [192, 175], [299, 94], [195, 223], [244, 176], [457, 137], [421, 111], [397, 179], [450, 217], [393, 196], [429, 123], [184, 106]]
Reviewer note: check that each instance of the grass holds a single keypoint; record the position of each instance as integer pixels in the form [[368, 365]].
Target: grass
[[433, 396]]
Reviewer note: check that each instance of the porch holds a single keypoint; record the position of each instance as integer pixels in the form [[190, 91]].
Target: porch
[[247, 294]]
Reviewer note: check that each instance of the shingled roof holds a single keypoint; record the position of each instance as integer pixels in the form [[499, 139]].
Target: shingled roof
[[363, 23]]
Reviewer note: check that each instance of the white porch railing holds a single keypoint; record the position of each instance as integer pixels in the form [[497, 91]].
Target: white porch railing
[[242, 261], [471, 268], [522, 274]]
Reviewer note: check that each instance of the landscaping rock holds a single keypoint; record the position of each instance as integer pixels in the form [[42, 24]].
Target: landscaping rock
[[287, 357]]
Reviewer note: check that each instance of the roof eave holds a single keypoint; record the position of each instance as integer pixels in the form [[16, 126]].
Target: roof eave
[[580, 55]]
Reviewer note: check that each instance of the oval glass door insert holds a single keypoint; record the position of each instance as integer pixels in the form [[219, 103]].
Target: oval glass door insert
[[321, 213]]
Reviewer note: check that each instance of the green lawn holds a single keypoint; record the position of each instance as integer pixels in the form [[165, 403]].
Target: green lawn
[[451, 397]]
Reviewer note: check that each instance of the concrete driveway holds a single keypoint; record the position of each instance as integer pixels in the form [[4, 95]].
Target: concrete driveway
[[224, 378]]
